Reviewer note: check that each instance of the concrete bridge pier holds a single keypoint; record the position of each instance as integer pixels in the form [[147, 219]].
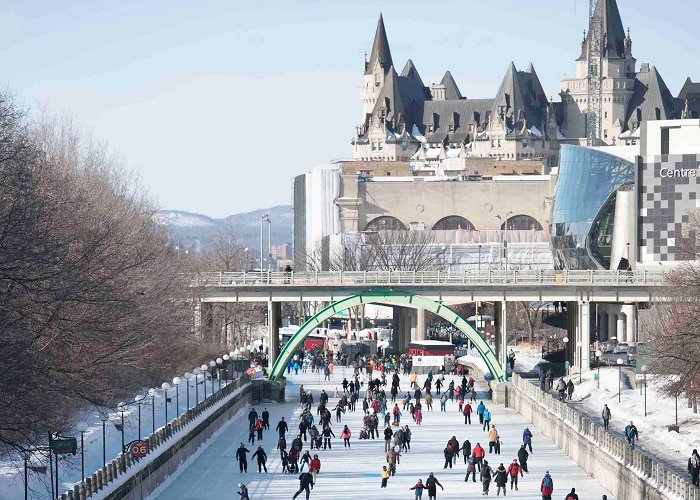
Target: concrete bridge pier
[[579, 331], [274, 318], [501, 330], [409, 326]]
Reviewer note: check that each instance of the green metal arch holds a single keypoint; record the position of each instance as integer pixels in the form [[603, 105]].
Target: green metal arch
[[389, 298]]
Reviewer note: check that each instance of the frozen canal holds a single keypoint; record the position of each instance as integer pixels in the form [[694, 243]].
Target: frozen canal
[[345, 474]]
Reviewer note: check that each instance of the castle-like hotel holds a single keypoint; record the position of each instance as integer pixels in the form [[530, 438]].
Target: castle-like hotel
[[403, 119]]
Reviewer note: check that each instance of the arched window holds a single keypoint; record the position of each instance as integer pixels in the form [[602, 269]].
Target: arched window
[[385, 223], [453, 222], [522, 223]]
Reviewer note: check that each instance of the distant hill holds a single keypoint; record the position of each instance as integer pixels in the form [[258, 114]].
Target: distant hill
[[193, 231]]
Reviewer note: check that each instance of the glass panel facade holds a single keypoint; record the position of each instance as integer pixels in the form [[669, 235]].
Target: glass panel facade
[[385, 223], [584, 206], [453, 222]]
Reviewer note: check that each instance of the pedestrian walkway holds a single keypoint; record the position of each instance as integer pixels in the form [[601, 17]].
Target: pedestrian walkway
[[346, 474]]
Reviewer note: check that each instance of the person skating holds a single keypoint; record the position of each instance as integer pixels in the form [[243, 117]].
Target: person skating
[[466, 449], [487, 420], [522, 457], [252, 417], [471, 469], [266, 418], [694, 467], [429, 401], [467, 412], [527, 438], [305, 460], [284, 457], [479, 453], [513, 470], [572, 495], [431, 484], [251, 434], [443, 402], [306, 481], [418, 488], [315, 467], [346, 437], [327, 433], [606, 417], [493, 438], [485, 476], [243, 491], [259, 426], [480, 412], [392, 458], [631, 434], [447, 452], [385, 476], [547, 487], [282, 427], [388, 434], [242, 457], [262, 459], [500, 477]]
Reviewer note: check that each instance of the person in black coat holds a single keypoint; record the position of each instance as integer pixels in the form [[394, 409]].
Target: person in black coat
[[282, 427], [306, 481], [262, 459], [522, 457], [431, 484], [242, 457], [265, 415]]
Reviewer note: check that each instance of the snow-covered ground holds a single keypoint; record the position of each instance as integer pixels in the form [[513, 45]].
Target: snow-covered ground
[[213, 472], [12, 474]]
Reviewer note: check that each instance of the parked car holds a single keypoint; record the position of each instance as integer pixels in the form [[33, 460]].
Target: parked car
[[609, 346], [632, 355], [621, 348]]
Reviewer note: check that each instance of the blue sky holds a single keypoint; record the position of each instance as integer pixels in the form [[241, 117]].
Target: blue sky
[[218, 104]]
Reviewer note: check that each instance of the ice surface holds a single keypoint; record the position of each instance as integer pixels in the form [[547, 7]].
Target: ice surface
[[346, 474]]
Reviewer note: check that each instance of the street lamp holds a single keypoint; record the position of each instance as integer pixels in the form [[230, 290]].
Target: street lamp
[[619, 378], [226, 357], [82, 428], [176, 382], [121, 408], [598, 354], [166, 387], [479, 257], [219, 362], [263, 218], [644, 369], [579, 344], [204, 379], [197, 372], [139, 399], [104, 416], [566, 354], [188, 376], [212, 364], [153, 393]]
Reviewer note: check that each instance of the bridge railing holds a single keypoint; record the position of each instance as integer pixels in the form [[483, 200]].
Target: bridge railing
[[644, 465], [391, 278]]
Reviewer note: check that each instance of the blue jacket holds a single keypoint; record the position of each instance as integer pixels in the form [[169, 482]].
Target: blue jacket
[[480, 409], [487, 415], [527, 436]]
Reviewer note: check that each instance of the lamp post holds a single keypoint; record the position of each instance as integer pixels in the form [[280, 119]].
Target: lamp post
[[104, 417], [566, 355], [204, 379], [619, 379], [479, 257], [226, 357], [166, 387], [176, 382], [139, 400], [197, 372], [269, 244], [598, 354], [212, 364], [121, 407], [644, 369], [263, 218], [153, 392], [188, 376], [579, 344], [82, 428], [219, 363]]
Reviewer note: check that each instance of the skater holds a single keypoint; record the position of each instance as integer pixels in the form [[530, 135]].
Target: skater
[[432, 483], [266, 419], [262, 459], [547, 487], [631, 434], [479, 454], [694, 467], [251, 434], [447, 452], [606, 417], [429, 401], [252, 417], [466, 450], [501, 479], [259, 426], [315, 467], [513, 470], [443, 402], [305, 460], [493, 438], [346, 437], [243, 492], [418, 487], [327, 433], [572, 495], [487, 419], [242, 457], [471, 469], [467, 412], [282, 427], [480, 412], [527, 438], [388, 434], [385, 476], [522, 457], [305, 481], [392, 458], [485, 476]]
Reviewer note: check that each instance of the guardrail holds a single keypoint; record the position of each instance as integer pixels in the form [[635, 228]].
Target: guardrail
[[644, 465], [485, 277]]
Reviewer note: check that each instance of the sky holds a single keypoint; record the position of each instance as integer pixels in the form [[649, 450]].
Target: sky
[[218, 104]]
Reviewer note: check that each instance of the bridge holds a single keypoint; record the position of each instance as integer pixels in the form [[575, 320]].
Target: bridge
[[413, 292]]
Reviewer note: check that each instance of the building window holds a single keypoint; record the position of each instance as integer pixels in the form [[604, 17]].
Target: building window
[[385, 223], [605, 133], [453, 222]]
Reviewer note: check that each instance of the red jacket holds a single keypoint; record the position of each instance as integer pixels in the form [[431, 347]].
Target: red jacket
[[546, 491], [467, 409], [514, 470], [315, 464], [479, 452]]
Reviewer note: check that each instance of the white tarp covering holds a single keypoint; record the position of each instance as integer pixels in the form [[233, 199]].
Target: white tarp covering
[[428, 360]]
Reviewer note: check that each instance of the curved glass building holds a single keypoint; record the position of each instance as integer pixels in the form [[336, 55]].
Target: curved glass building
[[584, 206]]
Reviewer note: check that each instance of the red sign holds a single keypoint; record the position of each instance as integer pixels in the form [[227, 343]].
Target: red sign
[[250, 371], [138, 449]]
